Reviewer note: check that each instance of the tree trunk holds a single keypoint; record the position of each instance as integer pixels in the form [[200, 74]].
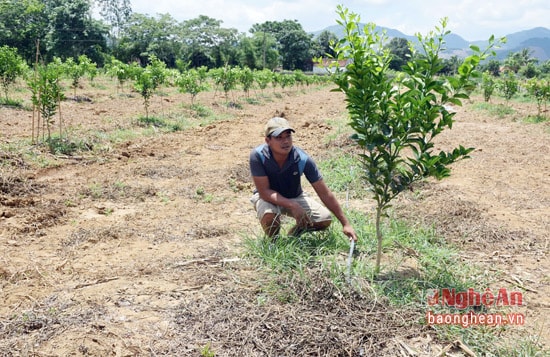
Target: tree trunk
[[379, 239]]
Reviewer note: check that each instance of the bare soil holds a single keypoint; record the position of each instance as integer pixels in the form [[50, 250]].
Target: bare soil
[[136, 249]]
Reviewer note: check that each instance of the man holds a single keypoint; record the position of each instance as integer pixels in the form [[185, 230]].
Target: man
[[276, 168]]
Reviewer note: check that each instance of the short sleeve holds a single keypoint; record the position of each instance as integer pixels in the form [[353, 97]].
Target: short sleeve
[[311, 171], [256, 166]]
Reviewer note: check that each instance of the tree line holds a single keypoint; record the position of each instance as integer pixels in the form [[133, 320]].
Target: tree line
[[45, 29], [42, 30]]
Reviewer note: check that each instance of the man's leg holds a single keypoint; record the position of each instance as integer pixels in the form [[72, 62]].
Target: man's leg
[[271, 224], [268, 214], [319, 215]]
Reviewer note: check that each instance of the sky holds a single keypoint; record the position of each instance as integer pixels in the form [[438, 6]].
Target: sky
[[472, 19]]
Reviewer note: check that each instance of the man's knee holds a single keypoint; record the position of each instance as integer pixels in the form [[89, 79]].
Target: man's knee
[[269, 219], [270, 223], [321, 225]]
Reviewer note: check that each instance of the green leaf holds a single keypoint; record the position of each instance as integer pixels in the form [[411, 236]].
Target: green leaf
[[475, 48]]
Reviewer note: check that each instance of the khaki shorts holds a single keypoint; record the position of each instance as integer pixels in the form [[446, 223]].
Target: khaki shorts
[[316, 211]]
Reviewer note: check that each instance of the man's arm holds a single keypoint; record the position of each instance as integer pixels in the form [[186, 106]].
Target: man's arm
[[330, 201]]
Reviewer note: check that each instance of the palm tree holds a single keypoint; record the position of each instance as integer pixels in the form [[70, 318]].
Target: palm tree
[[517, 60]]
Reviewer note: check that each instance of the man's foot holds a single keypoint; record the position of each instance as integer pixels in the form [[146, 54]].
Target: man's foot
[[297, 231]]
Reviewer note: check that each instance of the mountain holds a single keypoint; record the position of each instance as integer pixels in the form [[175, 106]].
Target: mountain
[[537, 40]]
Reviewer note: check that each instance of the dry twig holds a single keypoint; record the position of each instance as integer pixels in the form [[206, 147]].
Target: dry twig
[[98, 281]]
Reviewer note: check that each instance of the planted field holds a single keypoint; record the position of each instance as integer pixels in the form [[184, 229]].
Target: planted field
[[143, 242]]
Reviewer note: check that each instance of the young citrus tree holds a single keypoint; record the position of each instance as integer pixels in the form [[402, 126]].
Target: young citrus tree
[[190, 82], [396, 118], [47, 94], [11, 66], [540, 90], [488, 86], [75, 72], [120, 70], [227, 77], [76, 69], [262, 78], [149, 79], [246, 78], [508, 86]]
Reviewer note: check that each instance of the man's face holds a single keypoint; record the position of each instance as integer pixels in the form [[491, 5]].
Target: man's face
[[281, 144]]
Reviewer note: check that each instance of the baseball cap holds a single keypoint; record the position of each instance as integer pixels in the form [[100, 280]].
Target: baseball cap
[[276, 126]]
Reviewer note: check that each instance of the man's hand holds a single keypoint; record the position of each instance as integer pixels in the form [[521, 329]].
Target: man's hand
[[350, 232], [303, 220]]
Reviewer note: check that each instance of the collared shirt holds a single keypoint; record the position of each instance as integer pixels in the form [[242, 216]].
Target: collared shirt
[[285, 180]]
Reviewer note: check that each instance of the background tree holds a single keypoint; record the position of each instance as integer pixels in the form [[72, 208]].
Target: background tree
[[144, 36], [322, 44], [492, 66], [400, 51], [58, 28], [450, 65], [206, 43], [72, 31], [294, 44], [248, 55], [116, 13], [226, 50], [23, 23], [296, 51], [516, 60], [266, 50], [530, 70]]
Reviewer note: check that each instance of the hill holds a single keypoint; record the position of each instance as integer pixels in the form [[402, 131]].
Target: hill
[[537, 40]]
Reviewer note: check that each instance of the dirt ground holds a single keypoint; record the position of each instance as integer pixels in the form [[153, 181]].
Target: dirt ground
[[136, 251]]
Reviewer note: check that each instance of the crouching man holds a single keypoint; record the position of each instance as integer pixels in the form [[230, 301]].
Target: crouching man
[[276, 167]]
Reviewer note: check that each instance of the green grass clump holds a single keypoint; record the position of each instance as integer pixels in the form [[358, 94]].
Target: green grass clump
[[417, 260], [67, 146], [497, 110], [166, 124], [201, 111], [14, 103], [536, 119]]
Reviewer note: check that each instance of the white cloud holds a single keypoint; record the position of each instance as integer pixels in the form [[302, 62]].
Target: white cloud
[[472, 19]]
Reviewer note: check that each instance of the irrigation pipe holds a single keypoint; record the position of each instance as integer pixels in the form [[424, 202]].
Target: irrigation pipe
[[350, 257]]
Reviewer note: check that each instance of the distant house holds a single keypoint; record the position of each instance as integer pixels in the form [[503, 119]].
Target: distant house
[[328, 65]]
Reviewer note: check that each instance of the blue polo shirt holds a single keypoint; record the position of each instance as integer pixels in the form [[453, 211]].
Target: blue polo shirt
[[285, 180]]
